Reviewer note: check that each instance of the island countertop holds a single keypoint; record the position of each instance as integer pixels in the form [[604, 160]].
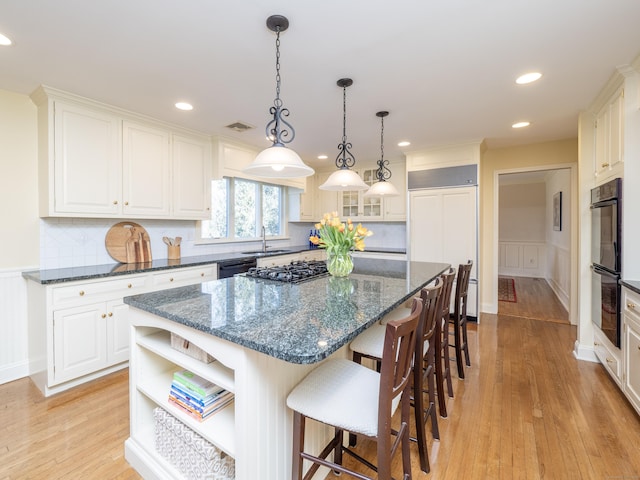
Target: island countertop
[[298, 323]]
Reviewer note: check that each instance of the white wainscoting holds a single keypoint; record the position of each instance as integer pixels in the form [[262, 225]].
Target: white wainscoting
[[14, 344], [559, 272], [522, 259]]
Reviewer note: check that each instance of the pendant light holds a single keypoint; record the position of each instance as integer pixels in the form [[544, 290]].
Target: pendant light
[[278, 161], [382, 188], [344, 179]]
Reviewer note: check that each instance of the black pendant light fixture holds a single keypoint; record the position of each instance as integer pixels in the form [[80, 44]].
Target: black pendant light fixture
[[278, 161], [382, 188], [344, 179]]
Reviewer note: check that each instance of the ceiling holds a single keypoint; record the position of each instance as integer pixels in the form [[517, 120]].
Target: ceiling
[[444, 69]]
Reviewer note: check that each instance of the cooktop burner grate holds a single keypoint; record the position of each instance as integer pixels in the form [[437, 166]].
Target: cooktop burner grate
[[295, 272]]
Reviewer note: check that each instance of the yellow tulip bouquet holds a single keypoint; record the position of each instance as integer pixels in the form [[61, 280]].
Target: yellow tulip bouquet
[[339, 239]]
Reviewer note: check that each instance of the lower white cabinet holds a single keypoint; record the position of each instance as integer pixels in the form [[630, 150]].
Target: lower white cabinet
[[608, 355], [631, 347], [79, 331]]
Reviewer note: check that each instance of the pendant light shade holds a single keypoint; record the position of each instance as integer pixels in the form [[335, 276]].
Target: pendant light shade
[[382, 188], [278, 161], [344, 179]]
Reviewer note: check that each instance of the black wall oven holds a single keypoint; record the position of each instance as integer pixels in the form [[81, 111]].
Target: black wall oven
[[606, 257]]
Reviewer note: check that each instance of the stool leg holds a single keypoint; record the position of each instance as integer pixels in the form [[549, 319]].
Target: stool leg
[[457, 341], [298, 445], [435, 431], [418, 409], [465, 344], [446, 373], [441, 350]]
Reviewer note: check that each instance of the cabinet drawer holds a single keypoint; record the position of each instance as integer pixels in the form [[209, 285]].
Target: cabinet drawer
[[184, 276], [631, 304], [92, 291], [607, 356]]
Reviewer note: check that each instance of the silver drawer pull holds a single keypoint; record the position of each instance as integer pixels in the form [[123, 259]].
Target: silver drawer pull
[[596, 344], [609, 360]]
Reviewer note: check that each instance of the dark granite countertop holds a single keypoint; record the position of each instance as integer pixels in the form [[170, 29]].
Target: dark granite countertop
[[633, 285], [301, 323], [91, 272]]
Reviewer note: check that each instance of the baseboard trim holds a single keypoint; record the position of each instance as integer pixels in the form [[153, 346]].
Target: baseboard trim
[[15, 371], [585, 353]]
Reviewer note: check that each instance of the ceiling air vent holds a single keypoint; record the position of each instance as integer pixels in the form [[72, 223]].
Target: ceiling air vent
[[239, 127]]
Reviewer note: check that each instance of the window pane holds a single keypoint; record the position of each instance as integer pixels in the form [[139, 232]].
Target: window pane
[[245, 209], [218, 226], [271, 208]]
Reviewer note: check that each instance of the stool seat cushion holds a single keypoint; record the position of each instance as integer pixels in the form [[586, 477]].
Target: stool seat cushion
[[341, 393], [371, 341]]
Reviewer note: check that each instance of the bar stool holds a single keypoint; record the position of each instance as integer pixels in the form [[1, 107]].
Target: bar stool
[[355, 398], [443, 362], [459, 317], [369, 344]]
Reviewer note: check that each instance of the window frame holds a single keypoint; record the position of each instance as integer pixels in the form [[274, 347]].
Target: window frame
[[284, 212]]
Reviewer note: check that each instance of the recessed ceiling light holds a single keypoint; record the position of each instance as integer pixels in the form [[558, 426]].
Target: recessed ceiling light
[[4, 40], [528, 78], [184, 106], [322, 157], [520, 124], [404, 144]]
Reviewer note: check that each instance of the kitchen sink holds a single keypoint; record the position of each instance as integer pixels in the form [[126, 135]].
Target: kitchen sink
[[260, 253]]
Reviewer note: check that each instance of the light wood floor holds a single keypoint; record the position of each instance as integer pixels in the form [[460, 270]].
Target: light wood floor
[[526, 410], [535, 300]]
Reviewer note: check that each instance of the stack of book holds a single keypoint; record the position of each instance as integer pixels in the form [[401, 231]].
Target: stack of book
[[196, 396]]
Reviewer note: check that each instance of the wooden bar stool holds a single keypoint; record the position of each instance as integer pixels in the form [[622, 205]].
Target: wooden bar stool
[[354, 398], [369, 345], [458, 319], [442, 360]]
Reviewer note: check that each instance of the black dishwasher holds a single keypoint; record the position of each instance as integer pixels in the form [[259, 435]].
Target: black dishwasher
[[229, 268]]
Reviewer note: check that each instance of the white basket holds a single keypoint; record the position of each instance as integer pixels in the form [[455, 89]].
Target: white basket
[[185, 346], [191, 454]]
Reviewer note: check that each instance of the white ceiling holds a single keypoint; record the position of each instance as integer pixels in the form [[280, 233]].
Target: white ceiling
[[445, 69]]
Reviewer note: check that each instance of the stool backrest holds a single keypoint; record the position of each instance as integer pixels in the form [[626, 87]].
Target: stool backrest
[[431, 306], [397, 355], [462, 288], [447, 286]]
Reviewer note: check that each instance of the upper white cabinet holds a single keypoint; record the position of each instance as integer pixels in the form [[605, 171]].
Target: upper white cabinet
[[191, 176], [103, 162], [146, 170], [302, 202], [231, 157], [609, 137], [355, 205], [395, 208]]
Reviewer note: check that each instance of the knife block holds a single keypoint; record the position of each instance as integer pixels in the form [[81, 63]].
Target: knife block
[[173, 252]]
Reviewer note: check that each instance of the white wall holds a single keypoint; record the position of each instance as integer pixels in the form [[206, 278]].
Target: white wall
[[559, 242], [18, 227]]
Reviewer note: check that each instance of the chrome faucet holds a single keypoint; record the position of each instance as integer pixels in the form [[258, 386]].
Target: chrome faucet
[[264, 240]]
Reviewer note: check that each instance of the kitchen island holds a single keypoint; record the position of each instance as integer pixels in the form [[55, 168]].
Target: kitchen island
[[265, 337]]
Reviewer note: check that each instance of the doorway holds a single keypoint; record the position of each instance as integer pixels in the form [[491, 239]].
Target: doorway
[[534, 244]]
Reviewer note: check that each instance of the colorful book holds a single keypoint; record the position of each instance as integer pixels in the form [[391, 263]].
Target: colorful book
[[196, 384], [187, 398]]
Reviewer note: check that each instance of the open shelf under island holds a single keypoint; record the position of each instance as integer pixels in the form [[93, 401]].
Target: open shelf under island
[[265, 337]]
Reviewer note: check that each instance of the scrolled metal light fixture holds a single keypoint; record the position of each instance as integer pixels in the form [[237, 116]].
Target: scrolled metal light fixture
[[278, 161], [382, 188], [344, 179]]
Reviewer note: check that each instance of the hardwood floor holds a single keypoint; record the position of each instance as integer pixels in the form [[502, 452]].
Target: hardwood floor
[[535, 300], [527, 409]]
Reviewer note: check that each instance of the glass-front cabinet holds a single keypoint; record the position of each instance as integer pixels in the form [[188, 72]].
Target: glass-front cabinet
[[355, 205]]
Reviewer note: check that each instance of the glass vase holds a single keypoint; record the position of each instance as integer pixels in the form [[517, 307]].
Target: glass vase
[[339, 264]]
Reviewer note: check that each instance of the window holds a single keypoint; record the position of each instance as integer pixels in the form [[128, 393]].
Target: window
[[240, 208]]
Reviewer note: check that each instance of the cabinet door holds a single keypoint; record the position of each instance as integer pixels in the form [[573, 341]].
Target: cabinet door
[[327, 201], [145, 177], [355, 205], [79, 346], [87, 161], [118, 332], [395, 208], [191, 179]]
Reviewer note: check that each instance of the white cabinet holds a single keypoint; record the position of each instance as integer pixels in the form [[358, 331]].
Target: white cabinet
[[191, 161], [231, 157], [608, 355], [146, 171], [609, 136], [326, 200], [302, 203], [97, 161], [395, 208], [83, 175], [354, 205], [81, 329], [631, 347]]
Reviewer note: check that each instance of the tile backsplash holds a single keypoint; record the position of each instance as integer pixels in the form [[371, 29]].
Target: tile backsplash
[[75, 242]]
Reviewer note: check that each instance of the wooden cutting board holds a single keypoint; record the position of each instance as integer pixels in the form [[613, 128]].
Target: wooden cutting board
[[128, 242]]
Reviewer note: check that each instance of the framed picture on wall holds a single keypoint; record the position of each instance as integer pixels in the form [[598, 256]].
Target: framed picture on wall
[[557, 211]]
